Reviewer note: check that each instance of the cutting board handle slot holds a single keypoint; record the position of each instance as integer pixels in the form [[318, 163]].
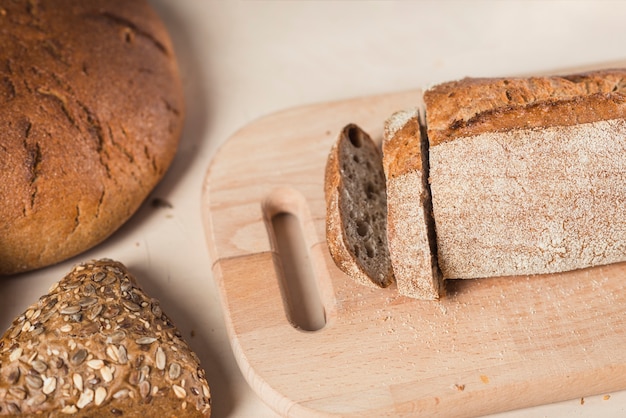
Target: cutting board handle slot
[[303, 284]]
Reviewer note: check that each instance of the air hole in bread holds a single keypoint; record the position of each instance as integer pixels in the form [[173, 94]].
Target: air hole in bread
[[370, 191], [370, 250], [354, 135], [362, 228], [356, 159]]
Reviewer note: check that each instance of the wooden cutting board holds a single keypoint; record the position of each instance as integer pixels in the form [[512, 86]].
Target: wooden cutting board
[[312, 343]]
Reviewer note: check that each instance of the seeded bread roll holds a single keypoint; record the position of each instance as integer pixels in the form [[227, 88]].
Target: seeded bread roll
[[97, 345], [410, 227], [356, 221], [528, 175], [92, 111]]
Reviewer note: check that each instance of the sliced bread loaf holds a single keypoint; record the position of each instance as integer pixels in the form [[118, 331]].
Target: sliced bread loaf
[[356, 203], [528, 174], [410, 228]]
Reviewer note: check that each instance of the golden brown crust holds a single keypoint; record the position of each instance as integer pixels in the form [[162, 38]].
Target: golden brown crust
[[410, 227], [473, 106], [97, 345], [92, 111], [402, 144]]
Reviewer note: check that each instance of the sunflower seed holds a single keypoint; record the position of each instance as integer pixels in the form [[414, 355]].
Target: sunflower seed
[[111, 351], [38, 329], [126, 285], [144, 373], [87, 301], [78, 357], [97, 277], [100, 395], [160, 359], [107, 280], [70, 286], [133, 378], [94, 312], [107, 373], [13, 409], [95, 364], [14, 376], [174, 371], [156, 309], [36, 400], [78, 381], [15, 332], [145, 340], [89, 289], [121, 394], [69, 409], [17, 393], [144, 388], [117, 336], [179, 391], [26, 326], [122, 354], [205, 391], [85, 399], [65, 328], [131, 306], [34, 382], [49, 385], [70, 310], [39, 366], [15, 354]]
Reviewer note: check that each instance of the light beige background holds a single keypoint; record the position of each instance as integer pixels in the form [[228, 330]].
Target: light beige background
[[241, 60]]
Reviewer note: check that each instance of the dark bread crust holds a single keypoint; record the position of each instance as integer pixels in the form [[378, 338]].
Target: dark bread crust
[[482, 105], [356, 211], [92, 114]]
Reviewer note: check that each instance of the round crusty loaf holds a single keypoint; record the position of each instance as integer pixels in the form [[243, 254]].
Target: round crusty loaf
[[92, 112], [97, 345]]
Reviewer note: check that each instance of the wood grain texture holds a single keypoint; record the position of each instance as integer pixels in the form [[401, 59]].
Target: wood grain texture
[[490, 345]]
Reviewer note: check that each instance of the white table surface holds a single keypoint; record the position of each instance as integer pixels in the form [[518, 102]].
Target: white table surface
[[241, 60]]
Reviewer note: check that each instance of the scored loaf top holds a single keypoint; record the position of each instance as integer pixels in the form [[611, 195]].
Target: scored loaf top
[[472, 106]]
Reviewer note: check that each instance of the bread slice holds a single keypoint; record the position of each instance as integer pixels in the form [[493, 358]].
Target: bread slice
[[356, 221], [410, 227], [528, 175], [97, 345]]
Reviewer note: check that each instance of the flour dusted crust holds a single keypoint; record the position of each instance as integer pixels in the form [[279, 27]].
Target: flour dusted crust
[[410, 225], [472, 106], [92, 112], [527, 175], [97, 345], [356, 231]]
